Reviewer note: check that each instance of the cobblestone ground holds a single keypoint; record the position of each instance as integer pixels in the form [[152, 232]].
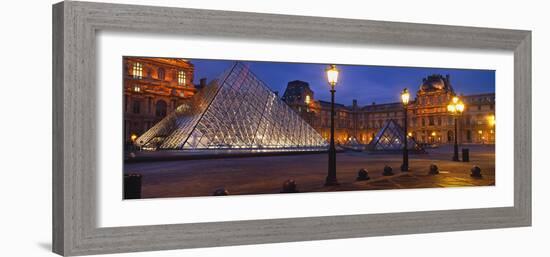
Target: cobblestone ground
[[265, 175]]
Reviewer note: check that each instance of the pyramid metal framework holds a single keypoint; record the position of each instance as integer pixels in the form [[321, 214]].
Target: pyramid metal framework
[[391, 138], [236, 111]]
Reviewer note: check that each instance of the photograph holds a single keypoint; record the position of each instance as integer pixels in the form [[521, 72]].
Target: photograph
[[198, 127]]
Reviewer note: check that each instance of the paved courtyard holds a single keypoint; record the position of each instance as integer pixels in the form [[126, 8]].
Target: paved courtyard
[[265, 175]]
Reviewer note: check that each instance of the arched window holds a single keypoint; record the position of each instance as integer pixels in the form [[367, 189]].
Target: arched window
[[160, 74], [161, 108]]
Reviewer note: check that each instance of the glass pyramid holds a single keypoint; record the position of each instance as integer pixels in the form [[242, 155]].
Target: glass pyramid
[[391, 138], [236, 111]]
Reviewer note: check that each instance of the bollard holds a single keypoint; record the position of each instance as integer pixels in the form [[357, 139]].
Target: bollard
[[476, 172], [362, 174], [465, 154], [434, 169], [388, 171], [132, 186], [289, 186], [220, 192]]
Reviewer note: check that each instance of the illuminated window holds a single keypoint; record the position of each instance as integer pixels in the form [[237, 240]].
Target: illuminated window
[[137, 88], [181, 78], [137, 70]]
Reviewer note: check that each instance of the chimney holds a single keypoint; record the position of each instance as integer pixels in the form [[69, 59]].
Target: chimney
[[448, 78], [202, 82], [276, 93], [354, 103]]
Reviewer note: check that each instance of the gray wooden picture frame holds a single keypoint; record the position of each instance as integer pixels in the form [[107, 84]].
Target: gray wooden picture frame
[[75, 25]]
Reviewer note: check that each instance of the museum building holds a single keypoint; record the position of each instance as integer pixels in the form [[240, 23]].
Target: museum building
[[429, 121], [153, 87]]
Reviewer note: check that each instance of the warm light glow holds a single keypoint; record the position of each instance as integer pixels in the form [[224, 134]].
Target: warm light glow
[[405, 96], [182, 79], [137, 70], [456, 106], [451, 108], [460, 107], [308, 100], [133, 137], [492, 121], [410, 134], [332, 75], [433, 134], [480, 132]]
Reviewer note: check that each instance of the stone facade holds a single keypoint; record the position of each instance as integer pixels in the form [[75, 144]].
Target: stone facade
[[153, 87], [429, 121]]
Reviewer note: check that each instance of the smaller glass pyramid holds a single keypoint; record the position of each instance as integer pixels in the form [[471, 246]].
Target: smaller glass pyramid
[[391, 138]]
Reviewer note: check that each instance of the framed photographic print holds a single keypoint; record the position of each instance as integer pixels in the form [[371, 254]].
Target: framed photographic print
[[183, 128]]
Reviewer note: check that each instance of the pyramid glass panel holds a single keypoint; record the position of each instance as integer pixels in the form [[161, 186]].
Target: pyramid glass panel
[[236, 111]]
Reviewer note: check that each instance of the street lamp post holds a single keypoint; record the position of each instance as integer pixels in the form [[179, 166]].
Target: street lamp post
[[332, 76], [456, 107], [405, 99]]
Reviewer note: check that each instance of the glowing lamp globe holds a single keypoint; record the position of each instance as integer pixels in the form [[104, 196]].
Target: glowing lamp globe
[[405, 96], [455, 100], [332, 75], [451, 108], [460, 107]]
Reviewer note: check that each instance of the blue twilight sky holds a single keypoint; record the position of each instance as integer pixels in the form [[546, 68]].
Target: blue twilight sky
[[367, 84]]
